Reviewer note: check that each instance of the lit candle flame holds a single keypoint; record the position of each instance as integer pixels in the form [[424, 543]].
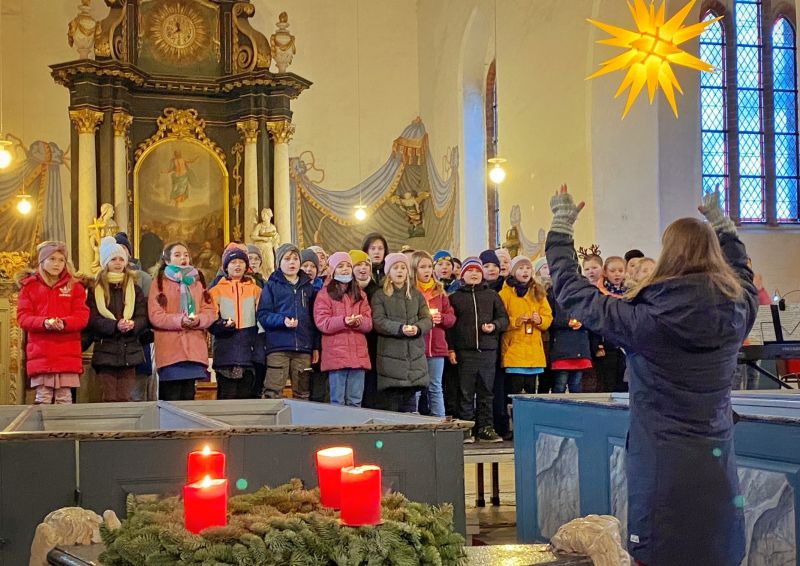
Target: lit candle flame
[[206, 450], [206, 482]]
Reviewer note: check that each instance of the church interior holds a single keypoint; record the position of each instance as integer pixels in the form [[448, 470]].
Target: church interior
[[399, 282]]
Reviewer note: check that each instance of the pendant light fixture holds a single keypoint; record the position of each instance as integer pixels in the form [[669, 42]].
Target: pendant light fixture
[[497, 174], [359, 210]]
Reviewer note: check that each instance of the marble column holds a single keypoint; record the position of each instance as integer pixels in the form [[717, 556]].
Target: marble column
[[281, 133], [86, 121], [249, 131], [122, 124]]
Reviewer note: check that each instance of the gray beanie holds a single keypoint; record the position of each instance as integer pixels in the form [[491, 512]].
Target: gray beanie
[[309, 255], [284, 249]]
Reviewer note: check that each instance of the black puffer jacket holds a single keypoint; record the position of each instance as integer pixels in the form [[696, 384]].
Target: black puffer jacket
[[112, 348], [401, 359], [476, 305]]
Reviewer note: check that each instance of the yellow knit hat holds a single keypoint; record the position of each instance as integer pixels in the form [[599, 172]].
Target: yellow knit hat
[[357, 256]]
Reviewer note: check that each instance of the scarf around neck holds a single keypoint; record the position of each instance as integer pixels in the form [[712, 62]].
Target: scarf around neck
[[520, 287], [185, 277], [130, 297], [426, 287], [618, 290]]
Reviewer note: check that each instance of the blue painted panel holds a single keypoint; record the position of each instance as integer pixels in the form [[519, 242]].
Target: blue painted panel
[[767, 449]]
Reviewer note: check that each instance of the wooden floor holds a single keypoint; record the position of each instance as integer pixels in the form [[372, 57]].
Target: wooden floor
[[496, 525]]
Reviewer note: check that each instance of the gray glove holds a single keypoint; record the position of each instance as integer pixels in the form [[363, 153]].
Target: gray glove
[[711, 209], [565, 212]]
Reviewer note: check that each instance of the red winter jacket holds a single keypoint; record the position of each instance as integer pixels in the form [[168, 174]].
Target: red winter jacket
[[342, 347], [436, 339], [53, 351]]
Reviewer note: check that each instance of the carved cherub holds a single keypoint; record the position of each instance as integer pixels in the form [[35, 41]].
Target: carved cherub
[[412, 205]]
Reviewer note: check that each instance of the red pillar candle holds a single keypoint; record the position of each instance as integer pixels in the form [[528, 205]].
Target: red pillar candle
[[330, 462], [361, 496], [205, 462], [205, 504]]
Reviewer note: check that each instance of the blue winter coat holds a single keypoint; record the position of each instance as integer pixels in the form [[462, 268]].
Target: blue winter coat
[[682, 339], [279, 300], [566, 343]]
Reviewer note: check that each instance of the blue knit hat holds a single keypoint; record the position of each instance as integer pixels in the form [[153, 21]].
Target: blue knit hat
[[442, 255], [471, 262], [489, 256], [232, 254]]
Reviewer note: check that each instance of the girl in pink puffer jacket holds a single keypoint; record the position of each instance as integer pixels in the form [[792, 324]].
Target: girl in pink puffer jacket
[[343, 316]]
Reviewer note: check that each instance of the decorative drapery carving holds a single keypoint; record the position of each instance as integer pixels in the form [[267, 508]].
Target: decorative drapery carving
[[180, 124], [251, 49], [12, 387], [236, 201], [249, 130], [280, 131], [86, 120]]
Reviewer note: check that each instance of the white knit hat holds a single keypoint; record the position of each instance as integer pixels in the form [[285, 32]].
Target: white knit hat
[[109, 249]]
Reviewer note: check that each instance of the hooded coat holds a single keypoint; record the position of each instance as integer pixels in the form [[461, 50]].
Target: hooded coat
[[281, 299], [682, 338], [401, 359], [51, 351]]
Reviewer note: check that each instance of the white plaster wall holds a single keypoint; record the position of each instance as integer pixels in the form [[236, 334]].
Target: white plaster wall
[[365, 87]]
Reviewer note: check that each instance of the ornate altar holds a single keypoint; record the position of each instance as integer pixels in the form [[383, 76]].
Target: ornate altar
[[12, 381], [177, 121]]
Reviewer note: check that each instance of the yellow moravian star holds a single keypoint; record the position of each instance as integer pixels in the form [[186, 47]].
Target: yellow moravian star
[[651, 50]]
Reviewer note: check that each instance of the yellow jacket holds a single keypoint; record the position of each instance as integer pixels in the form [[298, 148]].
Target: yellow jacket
[[521, 350]]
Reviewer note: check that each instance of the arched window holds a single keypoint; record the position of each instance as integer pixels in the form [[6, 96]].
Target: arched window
[[713, 111], [784, 80], [748, 111], [750, 123]]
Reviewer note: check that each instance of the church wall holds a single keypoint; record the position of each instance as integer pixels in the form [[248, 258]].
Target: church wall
[[380, 90]]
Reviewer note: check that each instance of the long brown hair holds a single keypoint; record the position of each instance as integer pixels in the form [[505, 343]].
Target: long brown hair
[[161, 299], [101, 279], [690, 246], [338, 290], [417, 257]]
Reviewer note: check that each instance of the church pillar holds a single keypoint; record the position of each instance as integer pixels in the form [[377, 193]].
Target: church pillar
[[281, 133], [122, 123], [249, 130], [86, 122]]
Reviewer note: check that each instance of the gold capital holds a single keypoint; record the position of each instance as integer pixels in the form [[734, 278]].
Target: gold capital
[[281, 131], [249, 130], [86, 120], [122, 123]]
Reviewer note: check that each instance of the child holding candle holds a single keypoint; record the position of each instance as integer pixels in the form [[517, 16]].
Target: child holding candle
[[529, 316], [118, 316], [401, 317], [236, 340], [343, 316], [52, 311], [180, 312], [474, 340], [443, 317], [285, 311]]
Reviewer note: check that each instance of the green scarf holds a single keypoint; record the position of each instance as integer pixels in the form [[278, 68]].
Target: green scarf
[[185, 277]]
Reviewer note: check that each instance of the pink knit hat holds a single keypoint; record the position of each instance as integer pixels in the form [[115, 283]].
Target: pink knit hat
[[46, 249], [337, 258], [391, 259], [517, 261]]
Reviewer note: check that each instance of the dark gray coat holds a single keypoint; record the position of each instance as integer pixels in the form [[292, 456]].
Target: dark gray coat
[[401, 359]]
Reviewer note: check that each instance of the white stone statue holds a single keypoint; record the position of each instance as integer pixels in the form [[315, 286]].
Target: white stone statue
[[282, 43], [103, 226], [265, 236], [596, 536], [68, 526], [81, 30]]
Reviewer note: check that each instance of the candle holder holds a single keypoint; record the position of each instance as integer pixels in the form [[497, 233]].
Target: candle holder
[[361, 496], [528, 327], [330, 462]]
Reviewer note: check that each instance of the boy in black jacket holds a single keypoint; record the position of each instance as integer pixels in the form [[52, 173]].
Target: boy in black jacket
[[474, 340]]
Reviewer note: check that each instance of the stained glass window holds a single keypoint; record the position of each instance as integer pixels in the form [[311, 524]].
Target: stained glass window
[[784, 77], [750, 91], [713, 111]]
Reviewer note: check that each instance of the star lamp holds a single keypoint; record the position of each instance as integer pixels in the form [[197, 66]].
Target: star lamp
[[651, 51]]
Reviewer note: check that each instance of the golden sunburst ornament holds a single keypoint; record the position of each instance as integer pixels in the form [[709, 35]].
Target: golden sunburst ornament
[[652, 50], [179, 31]]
